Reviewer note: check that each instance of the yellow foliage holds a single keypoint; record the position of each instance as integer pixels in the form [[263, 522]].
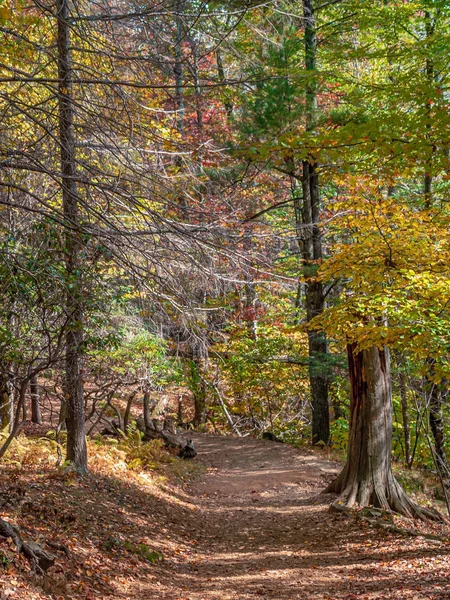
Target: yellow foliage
[[393, 261]]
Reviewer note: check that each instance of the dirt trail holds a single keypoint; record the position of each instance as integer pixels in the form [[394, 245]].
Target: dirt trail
[[256, 526]]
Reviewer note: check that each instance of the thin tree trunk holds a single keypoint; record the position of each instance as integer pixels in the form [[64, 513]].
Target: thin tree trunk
[[147, 413], [405, 418], [251, 299], [221, 76], [436, 403], [180, 410], [200, 406], [178, 68], [35, 400], [429, 69], [198, 90], [7, 394], [16, 422], [180, 36], [225, 411], [199, 392], [367, 477], [312, 247], [126, 418], [76, 451]]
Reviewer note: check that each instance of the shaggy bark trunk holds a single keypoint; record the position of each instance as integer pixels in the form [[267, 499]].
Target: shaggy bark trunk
[[76, 452], [367, 477], [312, 247], [35, 400]]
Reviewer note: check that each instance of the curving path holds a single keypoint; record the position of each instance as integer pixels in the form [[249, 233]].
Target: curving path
[[256, 526]]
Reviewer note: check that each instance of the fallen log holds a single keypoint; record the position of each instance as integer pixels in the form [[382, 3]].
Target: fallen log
[[171, 439], [155, 430]]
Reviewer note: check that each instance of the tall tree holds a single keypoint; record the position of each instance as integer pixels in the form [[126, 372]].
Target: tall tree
[[311, 242], [76, 451]]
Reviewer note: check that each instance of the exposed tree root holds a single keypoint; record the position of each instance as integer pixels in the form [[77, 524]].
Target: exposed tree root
[[388, 496], [382, 519], [38, 557]]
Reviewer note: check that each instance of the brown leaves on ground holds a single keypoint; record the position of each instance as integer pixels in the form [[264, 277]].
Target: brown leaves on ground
[[253, 527]]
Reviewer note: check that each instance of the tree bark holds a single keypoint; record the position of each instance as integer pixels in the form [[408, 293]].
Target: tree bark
[[311, 245], [178, 67], [199, 391], [126, 418], [429, 69], [228, 105], [437, 399], [405, 418], [35, 400], [367, 477], [6, 401], [180, 410], [198, 90], [76, 452], [147, 411]]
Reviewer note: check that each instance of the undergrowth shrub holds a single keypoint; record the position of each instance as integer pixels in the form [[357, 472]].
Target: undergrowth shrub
[[128, 455], [339, 433], [149, 455]]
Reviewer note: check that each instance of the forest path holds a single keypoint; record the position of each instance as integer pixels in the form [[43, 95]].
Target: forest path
[[258, 528]]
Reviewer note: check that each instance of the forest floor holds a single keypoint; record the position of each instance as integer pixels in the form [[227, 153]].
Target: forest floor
[[252, 524]]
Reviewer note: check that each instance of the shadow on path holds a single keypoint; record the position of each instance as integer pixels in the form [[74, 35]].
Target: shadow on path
[[261, 529]]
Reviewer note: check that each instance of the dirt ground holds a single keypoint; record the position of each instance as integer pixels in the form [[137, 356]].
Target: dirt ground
[[262, 530], [253, 525]]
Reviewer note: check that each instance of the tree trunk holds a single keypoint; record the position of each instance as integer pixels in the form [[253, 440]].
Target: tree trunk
[[367, 477], [180, 410], [405, 417], [76, 451], [251, 299], [437, 399], [35, 400], [178, 67], [126, 418], [199, 391], [198, 90], [7, 394], [147, 411], [228, 105], [311, 246], [200, 406], [429, 69], [318, 350]]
